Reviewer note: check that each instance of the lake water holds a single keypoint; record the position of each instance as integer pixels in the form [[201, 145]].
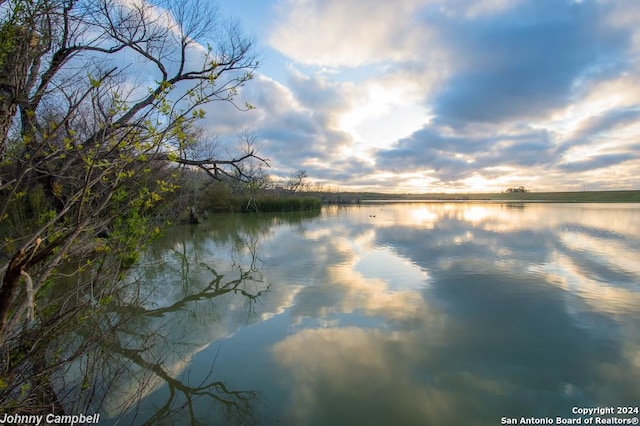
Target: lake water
[[388, 314]]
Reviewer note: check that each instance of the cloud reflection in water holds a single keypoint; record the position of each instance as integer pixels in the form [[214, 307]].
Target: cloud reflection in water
[[511, 319]]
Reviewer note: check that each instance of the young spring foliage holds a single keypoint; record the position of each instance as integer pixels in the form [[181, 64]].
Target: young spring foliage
[[86, 147]]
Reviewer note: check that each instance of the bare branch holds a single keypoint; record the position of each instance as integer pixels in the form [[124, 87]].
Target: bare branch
[[93, 147]]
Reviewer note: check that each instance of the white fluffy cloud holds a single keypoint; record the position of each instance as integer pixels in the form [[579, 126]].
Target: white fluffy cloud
[[345, 33]]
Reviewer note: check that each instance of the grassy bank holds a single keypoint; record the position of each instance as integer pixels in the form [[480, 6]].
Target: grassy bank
[[551, 197], [571, 197], [264, 203]]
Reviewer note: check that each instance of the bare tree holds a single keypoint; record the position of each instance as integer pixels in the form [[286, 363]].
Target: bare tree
[[296, 181], [85, 145]]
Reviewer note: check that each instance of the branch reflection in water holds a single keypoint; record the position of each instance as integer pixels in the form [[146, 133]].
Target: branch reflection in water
[[188, 291]]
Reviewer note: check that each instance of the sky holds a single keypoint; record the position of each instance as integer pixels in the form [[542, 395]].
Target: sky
[[413, 96]]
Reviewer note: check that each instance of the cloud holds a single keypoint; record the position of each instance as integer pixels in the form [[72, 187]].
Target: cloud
[[523, 64], [296, 125], [452, 93], [453, 155], [318, 92], [340, 33], [601, 141], [597, 162], [608, 121], [527, 94]]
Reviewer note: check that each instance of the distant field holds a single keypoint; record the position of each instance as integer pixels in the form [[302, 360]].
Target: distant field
[[573, 197], [551, 197]]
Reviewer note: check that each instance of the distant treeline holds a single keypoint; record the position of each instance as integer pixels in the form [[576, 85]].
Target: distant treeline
[[627, 196]]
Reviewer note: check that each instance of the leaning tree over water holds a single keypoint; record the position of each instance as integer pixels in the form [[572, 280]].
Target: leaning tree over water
[[98, 103]]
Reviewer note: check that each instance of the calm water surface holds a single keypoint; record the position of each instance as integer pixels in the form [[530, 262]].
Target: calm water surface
[[388, 314]]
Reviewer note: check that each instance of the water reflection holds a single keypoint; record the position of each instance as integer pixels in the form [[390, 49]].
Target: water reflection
[[495, 331], [193, 287], [441, 313]]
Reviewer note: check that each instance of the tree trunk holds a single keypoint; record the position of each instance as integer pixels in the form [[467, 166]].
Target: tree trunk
[[14, 68], [193, 217], [9, 285]]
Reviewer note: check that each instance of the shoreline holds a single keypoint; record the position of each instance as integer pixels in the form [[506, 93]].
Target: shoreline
[[626, 196]]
